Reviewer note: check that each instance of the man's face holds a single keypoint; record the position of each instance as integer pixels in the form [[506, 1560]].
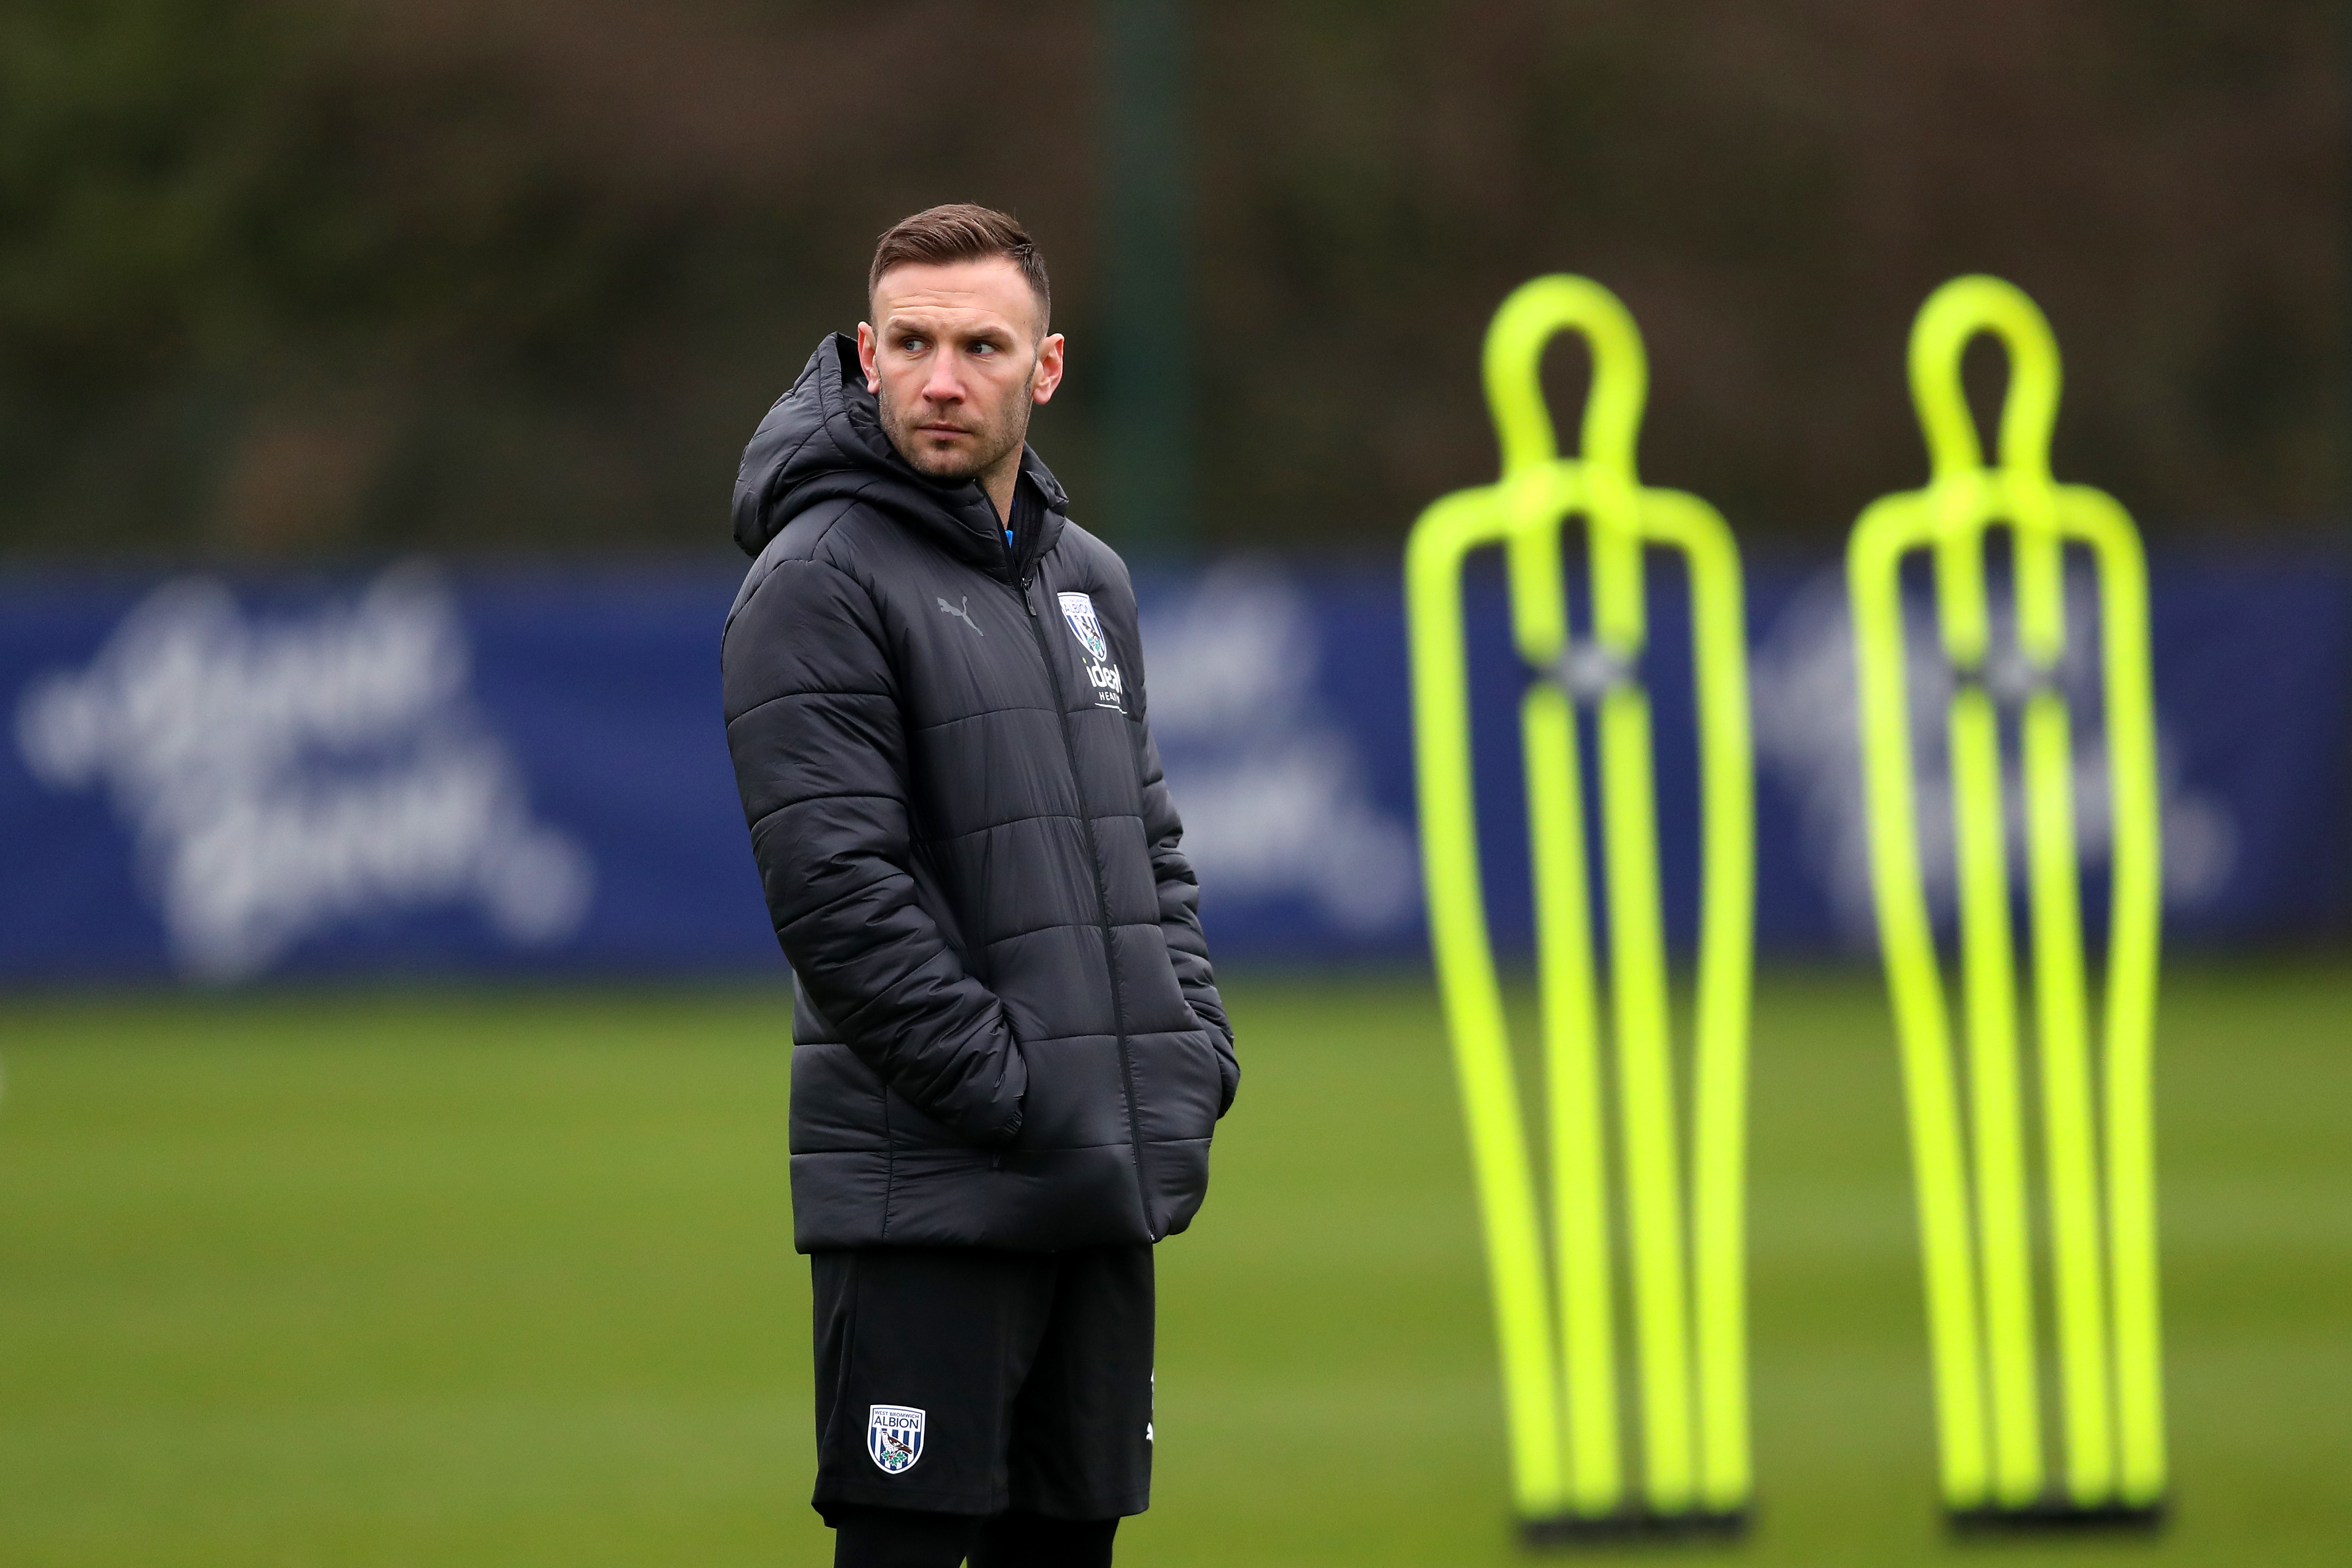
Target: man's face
[[954, 354]]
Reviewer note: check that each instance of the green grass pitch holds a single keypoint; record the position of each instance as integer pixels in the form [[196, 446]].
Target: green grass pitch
[[505, 1279]]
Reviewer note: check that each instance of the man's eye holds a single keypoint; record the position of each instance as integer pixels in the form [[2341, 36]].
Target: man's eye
[[910, 345]]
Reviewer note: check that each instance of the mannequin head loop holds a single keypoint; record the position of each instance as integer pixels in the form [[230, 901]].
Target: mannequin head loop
[[1952, 318], [1526, 323]]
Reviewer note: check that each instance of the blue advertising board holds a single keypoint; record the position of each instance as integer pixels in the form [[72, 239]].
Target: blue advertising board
[[422, 770]]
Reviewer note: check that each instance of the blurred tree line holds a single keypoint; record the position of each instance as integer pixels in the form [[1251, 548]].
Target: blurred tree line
[[293, 280]]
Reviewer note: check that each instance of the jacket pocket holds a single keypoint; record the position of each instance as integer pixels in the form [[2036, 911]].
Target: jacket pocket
[[837, 1102], [1181, 1084]]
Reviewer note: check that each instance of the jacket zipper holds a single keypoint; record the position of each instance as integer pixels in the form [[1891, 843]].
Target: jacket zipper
[[1102, 901]]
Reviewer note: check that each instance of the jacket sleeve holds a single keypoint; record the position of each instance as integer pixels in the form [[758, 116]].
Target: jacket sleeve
[[815, 728], [1180, 914]]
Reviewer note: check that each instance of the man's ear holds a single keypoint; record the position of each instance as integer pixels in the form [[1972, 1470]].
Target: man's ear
[[1047, 374], [867, 342]]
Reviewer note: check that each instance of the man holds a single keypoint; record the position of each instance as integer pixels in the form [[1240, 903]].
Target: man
[[1009, 1051]]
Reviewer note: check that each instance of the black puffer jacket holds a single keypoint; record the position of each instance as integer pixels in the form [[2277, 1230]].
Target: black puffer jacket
[[1007, 1032]]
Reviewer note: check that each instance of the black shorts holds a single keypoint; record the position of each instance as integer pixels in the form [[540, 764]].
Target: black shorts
[[960, 1380]]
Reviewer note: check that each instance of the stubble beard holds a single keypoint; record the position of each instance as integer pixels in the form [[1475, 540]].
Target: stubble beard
[[994, 439]]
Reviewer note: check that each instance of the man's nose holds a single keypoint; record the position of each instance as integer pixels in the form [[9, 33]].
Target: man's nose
[[943, 385]]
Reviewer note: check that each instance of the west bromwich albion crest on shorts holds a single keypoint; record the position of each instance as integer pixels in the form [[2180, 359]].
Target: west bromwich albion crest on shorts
[[894, 1437], [1110, 687]]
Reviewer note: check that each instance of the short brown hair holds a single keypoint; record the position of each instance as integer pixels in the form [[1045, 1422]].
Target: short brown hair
[[963, 231]]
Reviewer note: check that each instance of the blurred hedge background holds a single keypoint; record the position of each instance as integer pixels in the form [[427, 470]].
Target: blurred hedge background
[[290, 280]]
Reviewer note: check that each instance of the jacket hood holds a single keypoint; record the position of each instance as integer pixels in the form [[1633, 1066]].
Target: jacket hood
[[824, 440]]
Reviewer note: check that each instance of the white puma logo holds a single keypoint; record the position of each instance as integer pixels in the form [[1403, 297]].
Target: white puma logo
[[964, 611]]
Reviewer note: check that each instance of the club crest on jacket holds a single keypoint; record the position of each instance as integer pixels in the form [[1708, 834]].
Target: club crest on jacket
[[1110, 690], [1079, 609], [894, 1437]]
